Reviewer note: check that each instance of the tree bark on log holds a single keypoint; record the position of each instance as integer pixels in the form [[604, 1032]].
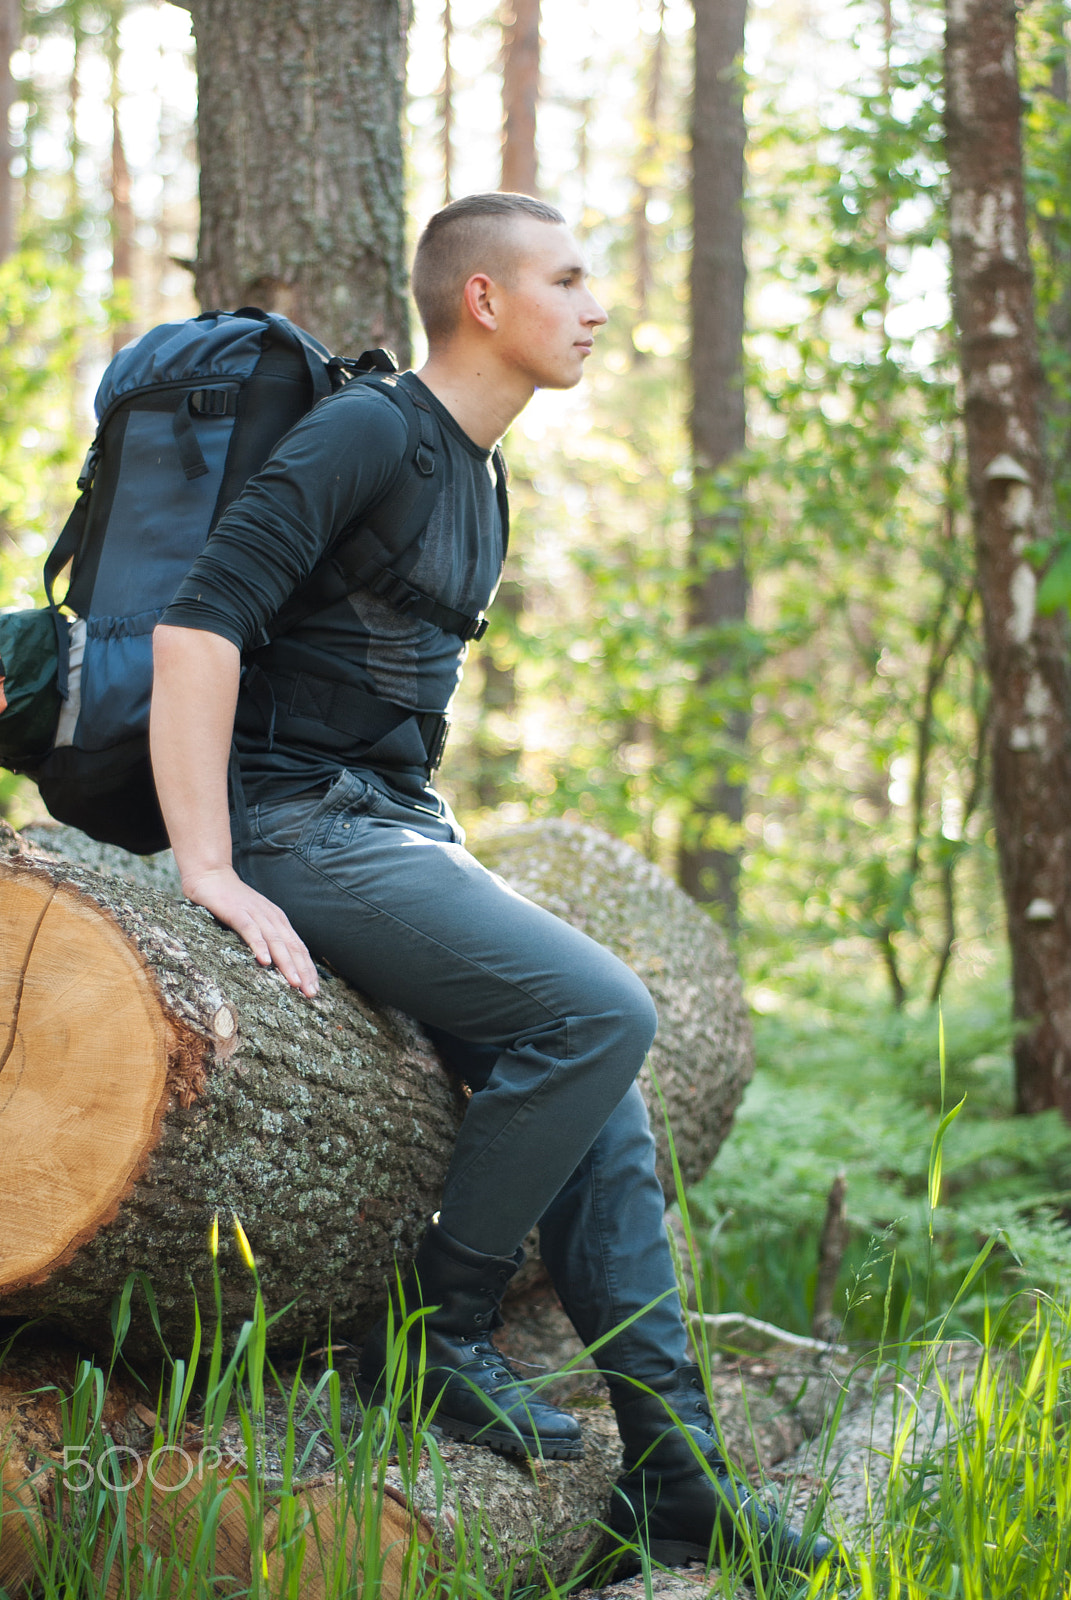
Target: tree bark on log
[[152, 1075], [324, 1125], [299, 140]]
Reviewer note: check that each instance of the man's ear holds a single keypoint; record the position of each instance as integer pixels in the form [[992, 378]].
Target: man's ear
[[480, 296]]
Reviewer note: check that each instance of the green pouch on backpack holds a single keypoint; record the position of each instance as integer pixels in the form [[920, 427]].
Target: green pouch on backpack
[[29, 689]]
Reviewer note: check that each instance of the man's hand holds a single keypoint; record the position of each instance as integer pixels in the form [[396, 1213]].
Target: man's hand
[[258, 921], [195, 689]]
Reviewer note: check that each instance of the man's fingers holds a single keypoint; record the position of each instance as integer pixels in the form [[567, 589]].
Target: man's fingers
[[295, 963], [260, 923], [274, 943]]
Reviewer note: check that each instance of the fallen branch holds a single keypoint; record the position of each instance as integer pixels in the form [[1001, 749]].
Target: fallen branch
[[765, 1333]]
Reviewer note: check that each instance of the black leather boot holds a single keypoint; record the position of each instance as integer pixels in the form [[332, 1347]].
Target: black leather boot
[[682, 1509], [470, 1389]]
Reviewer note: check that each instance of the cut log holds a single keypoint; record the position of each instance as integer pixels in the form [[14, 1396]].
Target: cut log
[[21, 1526], [152, 1076], [165, 1509], [318, 1534], [313, 1535], [83, 1072]]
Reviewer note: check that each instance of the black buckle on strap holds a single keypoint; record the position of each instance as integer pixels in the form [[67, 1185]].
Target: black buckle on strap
[[434, 731], [89, 467], [213, 402], [398, 594], [378, 360], [476, 628], [424, 458]]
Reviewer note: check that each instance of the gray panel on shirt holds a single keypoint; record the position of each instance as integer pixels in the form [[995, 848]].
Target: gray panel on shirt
[[404, 654]]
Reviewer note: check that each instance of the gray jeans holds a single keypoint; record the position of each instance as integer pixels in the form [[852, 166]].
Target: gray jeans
[[548, 1029]]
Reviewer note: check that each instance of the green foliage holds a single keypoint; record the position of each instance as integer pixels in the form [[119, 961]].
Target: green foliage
[[43, 323], [865, 781], [978, 1501], [1043, 47], [846, 1085], [43, 334], [970, 1493]]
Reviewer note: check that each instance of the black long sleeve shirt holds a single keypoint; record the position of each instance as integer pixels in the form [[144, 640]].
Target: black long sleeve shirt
[[328, 471]]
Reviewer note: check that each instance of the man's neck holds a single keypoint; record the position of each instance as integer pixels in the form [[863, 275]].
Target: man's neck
[[482, 401]]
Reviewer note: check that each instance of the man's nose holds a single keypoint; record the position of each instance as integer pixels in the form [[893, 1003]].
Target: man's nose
[[595, 314]]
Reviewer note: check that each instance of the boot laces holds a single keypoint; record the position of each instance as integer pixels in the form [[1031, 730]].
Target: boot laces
[[489, 1356]]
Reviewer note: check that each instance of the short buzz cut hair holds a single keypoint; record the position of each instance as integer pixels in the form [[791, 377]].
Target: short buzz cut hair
[[467, 236]]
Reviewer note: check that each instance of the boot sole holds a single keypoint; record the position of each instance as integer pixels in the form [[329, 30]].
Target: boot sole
[[664, 1552], [507, 1443], [489, 1437], [679, 1552]]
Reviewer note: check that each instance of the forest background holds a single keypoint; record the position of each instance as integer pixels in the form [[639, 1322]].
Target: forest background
[[843, 718]]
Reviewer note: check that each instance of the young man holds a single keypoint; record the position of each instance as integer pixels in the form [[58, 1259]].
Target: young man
[[342, 846]]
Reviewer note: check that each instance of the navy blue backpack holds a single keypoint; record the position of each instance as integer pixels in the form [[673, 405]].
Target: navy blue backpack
[[186, 415]]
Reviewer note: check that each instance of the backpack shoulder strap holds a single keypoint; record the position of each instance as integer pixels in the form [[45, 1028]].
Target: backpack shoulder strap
[[502, 494], [71, 534], [377, 552]]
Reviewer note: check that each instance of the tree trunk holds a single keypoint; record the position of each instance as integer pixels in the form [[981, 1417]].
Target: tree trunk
[[1026, 653], [496, 748], [520, 97], [299, 134], [496, 738], [718, 594], [77, 210], [646, 165], [122, 210], [169, 1078], [446, 103], [10, 21]]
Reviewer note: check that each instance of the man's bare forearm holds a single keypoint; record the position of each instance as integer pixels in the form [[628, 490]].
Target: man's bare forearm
[[195, 692]]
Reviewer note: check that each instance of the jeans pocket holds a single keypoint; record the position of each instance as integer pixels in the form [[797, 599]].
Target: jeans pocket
[[304, 821]]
